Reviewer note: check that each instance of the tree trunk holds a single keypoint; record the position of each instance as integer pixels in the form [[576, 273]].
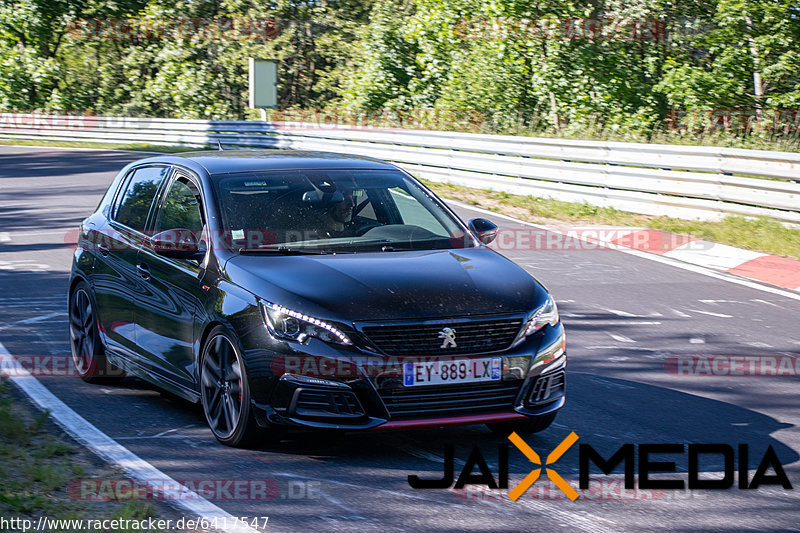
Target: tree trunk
[[758, 85]]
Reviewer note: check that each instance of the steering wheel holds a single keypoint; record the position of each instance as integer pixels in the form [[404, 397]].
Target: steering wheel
[[365, 226]]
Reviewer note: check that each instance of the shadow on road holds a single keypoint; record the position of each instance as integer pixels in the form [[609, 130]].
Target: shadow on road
[[52, 164], [604, 412]]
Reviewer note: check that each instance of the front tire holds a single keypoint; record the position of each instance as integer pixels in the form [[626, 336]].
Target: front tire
[[88, 354], [225, 391], [534, 424]]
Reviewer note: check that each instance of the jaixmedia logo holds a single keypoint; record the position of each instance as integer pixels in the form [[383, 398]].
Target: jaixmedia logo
[[631, 457]]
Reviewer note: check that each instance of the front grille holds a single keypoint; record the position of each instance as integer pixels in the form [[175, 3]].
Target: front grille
[[404, 403], [548, 388], [471, 337], [316, 403]]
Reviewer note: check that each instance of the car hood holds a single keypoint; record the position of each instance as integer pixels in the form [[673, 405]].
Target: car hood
[[390, 285]]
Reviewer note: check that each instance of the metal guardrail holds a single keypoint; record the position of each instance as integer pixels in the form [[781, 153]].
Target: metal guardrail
[[680, 181]]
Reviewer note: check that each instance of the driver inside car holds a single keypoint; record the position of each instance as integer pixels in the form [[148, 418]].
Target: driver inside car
[[339, 215], [334, 212]]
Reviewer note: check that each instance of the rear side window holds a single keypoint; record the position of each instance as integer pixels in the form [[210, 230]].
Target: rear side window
[[140, 191], [181, 208]]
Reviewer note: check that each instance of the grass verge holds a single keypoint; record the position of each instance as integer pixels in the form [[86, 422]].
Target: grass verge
[[101, 146], [760, 234], [37, 466]]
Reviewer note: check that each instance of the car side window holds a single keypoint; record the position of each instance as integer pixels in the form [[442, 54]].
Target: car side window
[[134, 203], [363, 207], [414, 213], [181, 207]]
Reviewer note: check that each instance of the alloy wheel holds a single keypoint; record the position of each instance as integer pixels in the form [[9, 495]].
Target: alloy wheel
[[82, 331], [221, 387]]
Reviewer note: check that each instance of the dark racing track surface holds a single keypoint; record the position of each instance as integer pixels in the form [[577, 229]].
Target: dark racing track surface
[[625, 315]]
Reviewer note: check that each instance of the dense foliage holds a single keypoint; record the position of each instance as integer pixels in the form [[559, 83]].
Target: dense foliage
[[567, 67]]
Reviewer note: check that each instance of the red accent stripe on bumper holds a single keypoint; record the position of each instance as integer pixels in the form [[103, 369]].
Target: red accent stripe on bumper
[[451, 421]]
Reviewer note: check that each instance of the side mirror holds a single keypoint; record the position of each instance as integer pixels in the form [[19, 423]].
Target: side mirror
[[485, 230], [177, 244]]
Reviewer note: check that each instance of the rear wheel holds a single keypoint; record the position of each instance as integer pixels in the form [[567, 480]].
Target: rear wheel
[[225, 391], [534, 424], [88, 354]]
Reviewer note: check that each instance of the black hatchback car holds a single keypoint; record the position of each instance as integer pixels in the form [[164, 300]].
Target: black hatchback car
[[287, 289]]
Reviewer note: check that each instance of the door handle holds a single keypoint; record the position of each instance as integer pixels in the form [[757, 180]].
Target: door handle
[[143, 270], [103, 250]]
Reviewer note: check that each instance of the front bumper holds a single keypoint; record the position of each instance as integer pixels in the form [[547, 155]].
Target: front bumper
[[350, 392]]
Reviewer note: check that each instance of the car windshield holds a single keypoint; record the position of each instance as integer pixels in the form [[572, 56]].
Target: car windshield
[[334, 211]]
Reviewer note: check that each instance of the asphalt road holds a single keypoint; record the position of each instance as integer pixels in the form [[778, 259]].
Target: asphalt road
[[625, 315]]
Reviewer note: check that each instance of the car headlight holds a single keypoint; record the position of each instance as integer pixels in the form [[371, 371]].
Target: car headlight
[[289, 325], [545, 315], [553, 352]]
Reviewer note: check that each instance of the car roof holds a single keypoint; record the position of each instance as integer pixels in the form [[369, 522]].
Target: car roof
[[232, 161]]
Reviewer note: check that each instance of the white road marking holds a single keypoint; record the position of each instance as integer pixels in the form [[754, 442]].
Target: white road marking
[[681, 314], [424, 454], [113, 452], [620, 338], [720, 301], [602, 436], [32, 320], [716, 255], [793, 294], [696, 340], [367, 489], [24, 265], [4, 236], [607, 320], [162, 435], [37, 233], [757, 300], [353, 513], [620, 313], [612, 384], [574, 519], [759, 344], [32, 300], [658, 353], [709, 313]]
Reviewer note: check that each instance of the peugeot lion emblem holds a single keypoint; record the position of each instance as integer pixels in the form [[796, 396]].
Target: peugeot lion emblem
[[449, 336]]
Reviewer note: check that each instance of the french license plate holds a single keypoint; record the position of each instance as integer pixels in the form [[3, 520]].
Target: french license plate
[[452, 371]]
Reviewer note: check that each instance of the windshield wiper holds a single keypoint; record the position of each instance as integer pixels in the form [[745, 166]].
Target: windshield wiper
[[407, 248], [280, 250]]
